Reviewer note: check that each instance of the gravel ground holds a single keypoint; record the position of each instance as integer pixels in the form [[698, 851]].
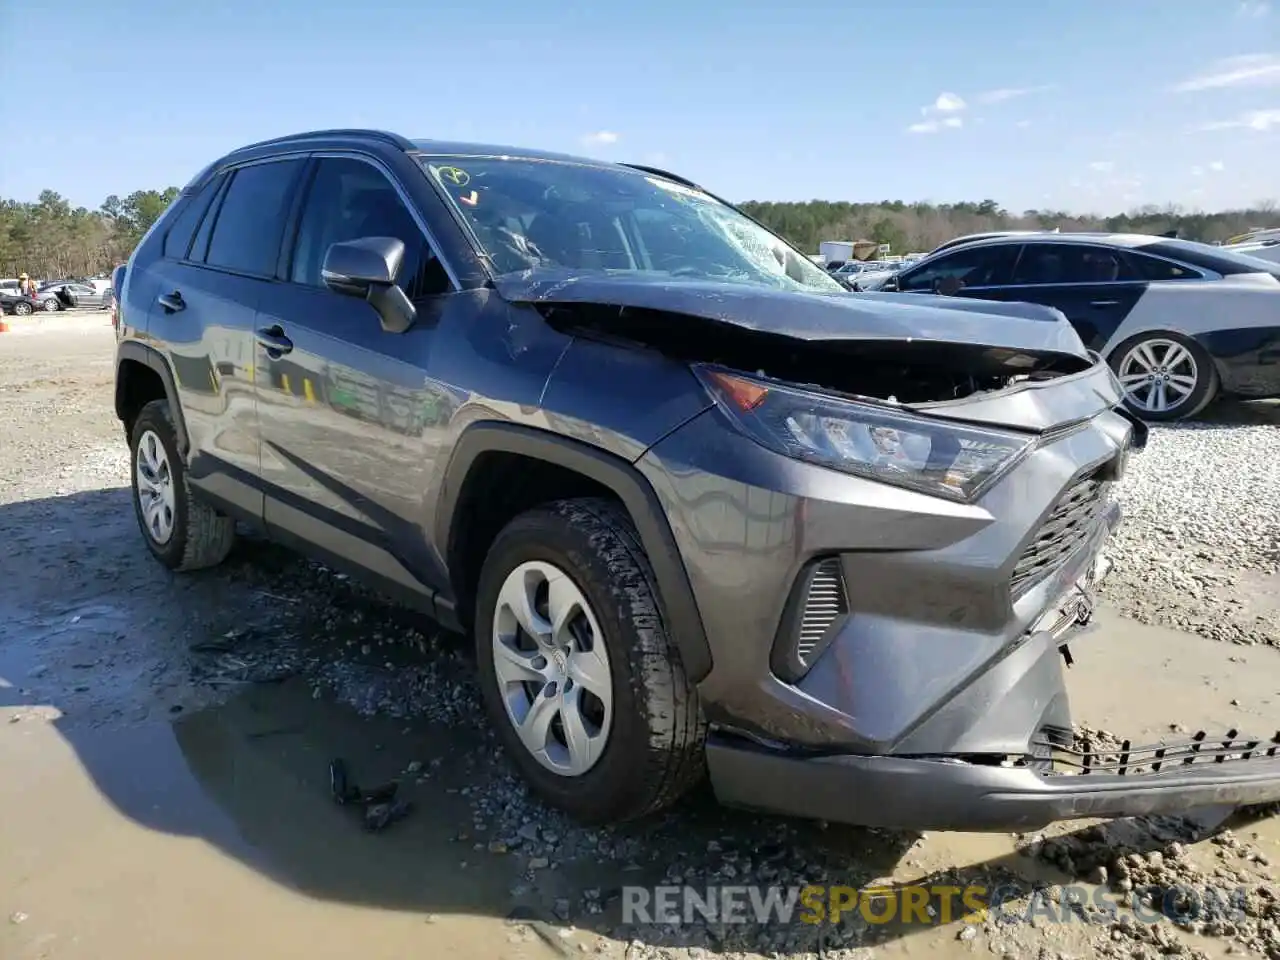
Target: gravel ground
[[1197, 551], [1199, 548]]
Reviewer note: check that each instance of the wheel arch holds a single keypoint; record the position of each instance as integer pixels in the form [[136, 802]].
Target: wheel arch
[[135, 363], [599, 471]]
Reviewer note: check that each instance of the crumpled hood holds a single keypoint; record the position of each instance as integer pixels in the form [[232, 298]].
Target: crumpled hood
[[836, 316]]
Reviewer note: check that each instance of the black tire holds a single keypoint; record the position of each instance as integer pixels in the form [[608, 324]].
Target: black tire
[[1202, 394], [201, 536], [51, 305], [655, 748], [22, 309]]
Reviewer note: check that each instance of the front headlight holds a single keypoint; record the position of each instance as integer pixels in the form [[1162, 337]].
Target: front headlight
[[932, 456]]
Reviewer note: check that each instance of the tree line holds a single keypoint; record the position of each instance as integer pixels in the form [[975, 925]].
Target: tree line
[[51, 238], [919, 227]]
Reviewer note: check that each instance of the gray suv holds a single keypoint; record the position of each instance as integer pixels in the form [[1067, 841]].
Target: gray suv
[[704, 511]]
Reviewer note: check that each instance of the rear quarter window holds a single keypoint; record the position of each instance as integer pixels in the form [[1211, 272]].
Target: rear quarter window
[[1157, 268], [177, 240]]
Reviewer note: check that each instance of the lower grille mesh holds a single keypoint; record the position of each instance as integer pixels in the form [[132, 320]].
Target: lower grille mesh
[[824, 603], [1073, 519]]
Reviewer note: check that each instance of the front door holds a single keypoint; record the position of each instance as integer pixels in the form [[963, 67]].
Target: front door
[[347, 410]]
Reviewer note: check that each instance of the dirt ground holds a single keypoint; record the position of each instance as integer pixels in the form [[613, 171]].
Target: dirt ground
[[165, 744]]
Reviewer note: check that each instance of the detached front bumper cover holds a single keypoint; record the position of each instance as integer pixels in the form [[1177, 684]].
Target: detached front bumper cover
[[952, 794]]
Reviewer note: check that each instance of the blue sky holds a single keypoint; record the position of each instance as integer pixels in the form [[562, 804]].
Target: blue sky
[[1093, 105]]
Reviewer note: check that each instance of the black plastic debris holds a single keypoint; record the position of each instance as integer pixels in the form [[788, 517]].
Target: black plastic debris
[[381, 806]]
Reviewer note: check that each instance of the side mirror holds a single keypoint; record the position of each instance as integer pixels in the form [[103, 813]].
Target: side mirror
[[948, 286], [890, 285], [367, 268]]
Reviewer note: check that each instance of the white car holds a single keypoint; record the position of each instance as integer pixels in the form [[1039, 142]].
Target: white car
[[1268, 250]]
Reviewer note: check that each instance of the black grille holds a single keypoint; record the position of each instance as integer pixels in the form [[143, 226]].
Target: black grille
[[1074, 518]]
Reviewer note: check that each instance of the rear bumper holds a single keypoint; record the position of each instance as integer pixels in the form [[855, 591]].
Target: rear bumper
[[919, 794]]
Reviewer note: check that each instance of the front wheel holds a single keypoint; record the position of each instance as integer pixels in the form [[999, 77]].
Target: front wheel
[[22, 309], [1165, 376], [581, 680], [51, 305]]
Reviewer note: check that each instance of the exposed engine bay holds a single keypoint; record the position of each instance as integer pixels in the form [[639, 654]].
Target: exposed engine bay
[[903, 371]]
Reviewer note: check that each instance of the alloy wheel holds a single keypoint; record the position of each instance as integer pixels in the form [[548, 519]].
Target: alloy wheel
[[1158, 375], [50, 305], [552, 668], [155, 487]]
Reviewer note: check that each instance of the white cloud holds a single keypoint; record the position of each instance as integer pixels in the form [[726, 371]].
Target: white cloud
[[1217, 166], [1102, 166], [1246, 70], [601, 138], [1197, 171], [1253, 9], [1022, 124], [1010, 93], [1259, 120], [948, 103]]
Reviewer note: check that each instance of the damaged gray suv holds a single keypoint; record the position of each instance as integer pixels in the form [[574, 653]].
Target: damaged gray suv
[[704, 511]]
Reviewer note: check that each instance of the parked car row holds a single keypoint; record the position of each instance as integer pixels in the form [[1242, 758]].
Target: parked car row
[[58, 295]]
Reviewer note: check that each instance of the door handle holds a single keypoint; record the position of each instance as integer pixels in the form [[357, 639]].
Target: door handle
[[1104, 303], [274, 340], [172, 302]]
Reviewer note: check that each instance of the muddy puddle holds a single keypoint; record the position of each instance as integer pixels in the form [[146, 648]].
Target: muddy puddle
[[165, 752]]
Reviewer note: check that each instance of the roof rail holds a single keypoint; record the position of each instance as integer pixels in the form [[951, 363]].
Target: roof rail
[[394, 139], [658, 172]]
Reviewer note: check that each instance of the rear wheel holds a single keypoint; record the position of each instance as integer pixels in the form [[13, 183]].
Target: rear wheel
[[22, 309], [582, 682], [181, 532], [1165, 376], [51, 305]]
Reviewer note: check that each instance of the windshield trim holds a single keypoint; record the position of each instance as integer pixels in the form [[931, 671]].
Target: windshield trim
[[424, 158]]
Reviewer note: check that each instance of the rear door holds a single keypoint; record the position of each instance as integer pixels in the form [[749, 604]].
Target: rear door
[[219, 256], [348, 411], [1094, 285]]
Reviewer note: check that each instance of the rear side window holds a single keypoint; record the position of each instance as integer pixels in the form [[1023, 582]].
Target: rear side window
[[1050, 263], [1154, 268], [246, 234], [985, 266], [178, 240]]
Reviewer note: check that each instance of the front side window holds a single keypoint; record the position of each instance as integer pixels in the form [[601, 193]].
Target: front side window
[[985, 266], [528, 213], [250, 222], [350, 199]]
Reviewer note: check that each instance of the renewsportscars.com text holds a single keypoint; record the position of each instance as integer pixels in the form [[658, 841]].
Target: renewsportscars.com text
[[926, 905]]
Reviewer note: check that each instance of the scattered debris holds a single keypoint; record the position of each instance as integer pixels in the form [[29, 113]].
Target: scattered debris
[[381, 806]]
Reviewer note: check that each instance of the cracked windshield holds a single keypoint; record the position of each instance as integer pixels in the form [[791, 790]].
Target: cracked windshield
[[640, 481], [595, 218]]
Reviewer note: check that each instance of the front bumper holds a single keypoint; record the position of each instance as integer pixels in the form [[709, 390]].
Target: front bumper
[[938, 794]]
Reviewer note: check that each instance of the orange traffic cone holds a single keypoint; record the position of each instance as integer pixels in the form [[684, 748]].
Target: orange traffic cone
[[4, 327]]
